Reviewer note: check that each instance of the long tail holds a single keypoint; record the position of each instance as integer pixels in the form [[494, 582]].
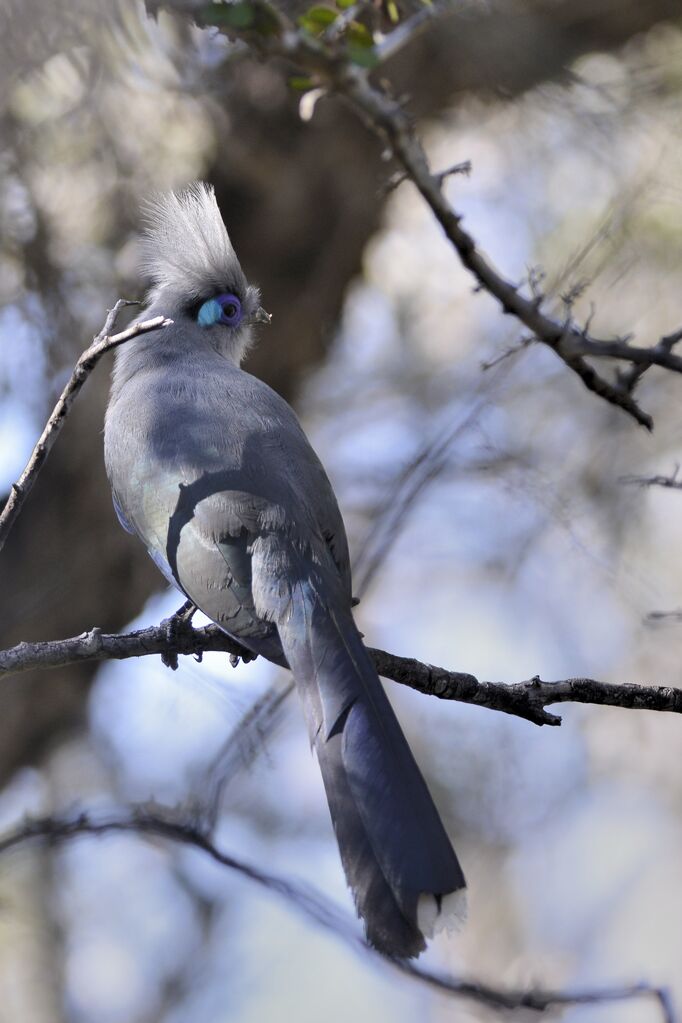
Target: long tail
[[398, 860]]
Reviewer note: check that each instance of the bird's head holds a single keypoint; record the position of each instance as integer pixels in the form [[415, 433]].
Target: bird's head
[[196, 276]]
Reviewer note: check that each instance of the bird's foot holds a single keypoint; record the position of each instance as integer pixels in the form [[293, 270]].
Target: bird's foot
[[178, 628], [244, 655]]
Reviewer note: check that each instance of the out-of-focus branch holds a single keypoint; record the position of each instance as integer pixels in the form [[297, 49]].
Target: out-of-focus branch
[[403, 494], [159, 823], [672, 482], [102, 344], [527, 699], [658, 617]]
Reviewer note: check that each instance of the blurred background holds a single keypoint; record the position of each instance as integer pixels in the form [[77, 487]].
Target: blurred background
[[491, 528]]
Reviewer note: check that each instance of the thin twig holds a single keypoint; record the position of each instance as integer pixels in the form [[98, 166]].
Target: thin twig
[[158, 822], [102, 344], [508, 353], [407, 31], [669, 482], [629, 378], [345, 19], [402, 495], [527, 699], [463, 167], [656, 617]]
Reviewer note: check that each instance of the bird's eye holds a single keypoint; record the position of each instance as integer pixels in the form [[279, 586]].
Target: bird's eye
[[231, 309], [225, 309]]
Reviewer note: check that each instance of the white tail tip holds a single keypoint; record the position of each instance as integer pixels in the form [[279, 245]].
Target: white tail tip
[[449, 916]]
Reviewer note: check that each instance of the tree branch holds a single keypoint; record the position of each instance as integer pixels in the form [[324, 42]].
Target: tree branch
[[102, 344], [158, 822], [527, 699], [566, 339], [332, 67], [629, 378], [672, 482]]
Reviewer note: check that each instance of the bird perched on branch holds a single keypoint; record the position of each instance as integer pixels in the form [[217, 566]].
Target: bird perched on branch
[[211, 469]]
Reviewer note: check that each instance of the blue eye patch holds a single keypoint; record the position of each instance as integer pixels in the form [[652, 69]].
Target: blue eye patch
[[225, 309]]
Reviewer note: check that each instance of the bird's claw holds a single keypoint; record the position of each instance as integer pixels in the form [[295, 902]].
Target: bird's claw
[[245, 656], [177, 628]]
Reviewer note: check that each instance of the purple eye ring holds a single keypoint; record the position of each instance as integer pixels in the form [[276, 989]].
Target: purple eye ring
[[225, 309], [231, 310]]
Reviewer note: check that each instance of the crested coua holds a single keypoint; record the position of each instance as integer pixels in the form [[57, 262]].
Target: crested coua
[[211, 469]]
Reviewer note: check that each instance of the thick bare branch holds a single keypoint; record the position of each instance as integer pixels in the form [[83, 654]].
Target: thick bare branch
[[527, 699], [102, 344], [158, 822]]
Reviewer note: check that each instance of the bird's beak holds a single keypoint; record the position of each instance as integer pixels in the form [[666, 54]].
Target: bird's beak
[[260, 316]]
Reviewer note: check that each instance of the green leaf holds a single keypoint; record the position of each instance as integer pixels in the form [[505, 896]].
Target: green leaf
[[318, 18], [301, 83], [363, 56], [393, 13], [359, 35], [267, 22], [344, 4], [241, 14]]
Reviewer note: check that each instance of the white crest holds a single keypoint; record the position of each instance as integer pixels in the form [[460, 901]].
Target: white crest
[[186, 246]]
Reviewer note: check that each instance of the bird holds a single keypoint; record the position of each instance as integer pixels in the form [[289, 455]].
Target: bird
[[212, 470]]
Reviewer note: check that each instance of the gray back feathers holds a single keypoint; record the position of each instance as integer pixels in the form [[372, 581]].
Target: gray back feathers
[[186, 247]]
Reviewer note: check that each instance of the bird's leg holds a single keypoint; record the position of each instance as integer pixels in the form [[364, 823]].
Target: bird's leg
[[187, 611], [177, 627]]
